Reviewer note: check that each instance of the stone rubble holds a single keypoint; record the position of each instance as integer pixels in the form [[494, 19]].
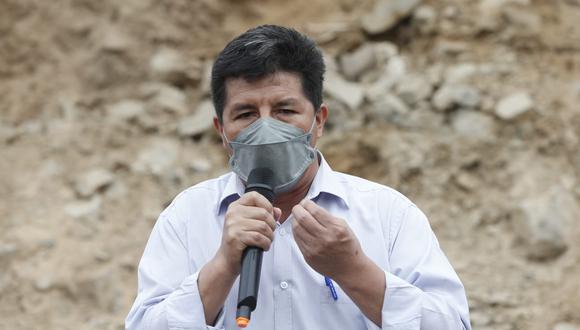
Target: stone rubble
[[93, 181], [514, 105], [451, 96], [386, 14], [421, 96], [351, 94], [199, 122]]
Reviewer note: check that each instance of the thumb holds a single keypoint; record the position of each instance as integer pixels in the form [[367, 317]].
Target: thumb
[[277, 213]]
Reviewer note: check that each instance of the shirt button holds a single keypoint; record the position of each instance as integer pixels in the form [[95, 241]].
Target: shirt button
[[284, 285], [282, 231]]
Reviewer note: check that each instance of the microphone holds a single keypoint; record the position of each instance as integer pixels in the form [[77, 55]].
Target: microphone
[[261, 181]]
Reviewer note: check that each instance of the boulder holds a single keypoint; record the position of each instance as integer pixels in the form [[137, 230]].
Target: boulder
[[93, 181], [473, 124], [199, 122], [351, 94], [387, 107], [386, 14], [514, 106], [542, 222], [126, 110], [425, 17], [170, 65], [356, 63], [414, 88], [452, 96], [157, 157], [566, 326]]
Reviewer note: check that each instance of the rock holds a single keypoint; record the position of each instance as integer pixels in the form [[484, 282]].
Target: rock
[[566, 326], [93, 181], [480, 318], [171, 99], [126, 110], [200, 165], [387, 107], [514, 105], [460, 73], [450, 48], [84, 209], [386, 14], [392, 74], [467, 181], [524, 21], [489, 16], [473, 124], [542, 220], [158, 157], [425, 17], [354, 64], [206, 78], [414, 88], [450, 12], [342, 119], [44, 283], [351, 94], [101, 288], [8, 134], [114, 39], [199, 122], [384, 51], [7, 252], [170, 65], [452, 96]]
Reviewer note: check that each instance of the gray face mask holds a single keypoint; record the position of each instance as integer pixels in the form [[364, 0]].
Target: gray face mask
[[273, 144]]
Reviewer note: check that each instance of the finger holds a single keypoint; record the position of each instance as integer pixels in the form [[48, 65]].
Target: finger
[[257, 213], [302, 238], [304, 219], [255, 239], [253, 198], [277, 213], [318, 213], [249, 225]]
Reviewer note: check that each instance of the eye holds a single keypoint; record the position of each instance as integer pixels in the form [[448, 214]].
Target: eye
[[244, 115], [287, 111]]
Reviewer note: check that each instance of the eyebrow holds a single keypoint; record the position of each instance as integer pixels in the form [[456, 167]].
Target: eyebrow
[[286, 101], [243, 106]]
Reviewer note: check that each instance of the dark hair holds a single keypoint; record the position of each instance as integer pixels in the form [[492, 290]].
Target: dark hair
[[265, 50]]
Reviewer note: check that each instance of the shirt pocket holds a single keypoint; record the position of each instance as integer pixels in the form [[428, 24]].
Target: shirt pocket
[[341, 313], [327, 299]]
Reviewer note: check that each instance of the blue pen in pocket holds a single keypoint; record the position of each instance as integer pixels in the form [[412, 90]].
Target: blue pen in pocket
[[330, 286]]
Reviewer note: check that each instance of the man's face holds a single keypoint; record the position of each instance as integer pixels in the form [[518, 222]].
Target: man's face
[[278, 96]]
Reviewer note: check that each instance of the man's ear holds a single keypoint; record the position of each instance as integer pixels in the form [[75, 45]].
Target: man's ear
[[219, 128], [321, 116]]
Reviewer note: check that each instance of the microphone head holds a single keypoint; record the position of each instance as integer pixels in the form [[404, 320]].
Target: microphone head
[[261, 179], [262, 176]]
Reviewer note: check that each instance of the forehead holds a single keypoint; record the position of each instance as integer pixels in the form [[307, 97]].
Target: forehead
[[279, 84]]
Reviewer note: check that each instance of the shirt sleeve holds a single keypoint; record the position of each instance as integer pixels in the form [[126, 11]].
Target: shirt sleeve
[[423, 291], [168, 296]]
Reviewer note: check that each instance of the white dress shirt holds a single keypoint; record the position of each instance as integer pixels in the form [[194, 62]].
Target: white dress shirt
[[423, 291]]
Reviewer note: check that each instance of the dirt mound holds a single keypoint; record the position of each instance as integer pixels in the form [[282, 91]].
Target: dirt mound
[[469, 108]]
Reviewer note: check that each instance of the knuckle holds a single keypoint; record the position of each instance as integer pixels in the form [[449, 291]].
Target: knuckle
[[264, 214], [264, 228]]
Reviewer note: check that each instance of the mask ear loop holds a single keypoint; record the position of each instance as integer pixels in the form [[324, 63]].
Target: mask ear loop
[[313, 124]]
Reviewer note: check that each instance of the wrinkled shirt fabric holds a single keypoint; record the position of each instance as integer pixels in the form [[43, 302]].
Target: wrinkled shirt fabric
[[423, 291]]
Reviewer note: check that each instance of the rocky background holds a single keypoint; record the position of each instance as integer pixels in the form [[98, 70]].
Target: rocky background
[[470, 108]]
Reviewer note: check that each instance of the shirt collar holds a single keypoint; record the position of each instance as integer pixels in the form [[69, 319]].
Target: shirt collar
[[325, 182]]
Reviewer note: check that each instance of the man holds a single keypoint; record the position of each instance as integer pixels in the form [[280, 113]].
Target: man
[[324, 229]]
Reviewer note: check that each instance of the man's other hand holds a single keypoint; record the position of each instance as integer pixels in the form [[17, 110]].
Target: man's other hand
[[327, 243]]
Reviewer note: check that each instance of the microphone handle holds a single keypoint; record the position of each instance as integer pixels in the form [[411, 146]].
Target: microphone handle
[[249, 282], [250, 272]]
